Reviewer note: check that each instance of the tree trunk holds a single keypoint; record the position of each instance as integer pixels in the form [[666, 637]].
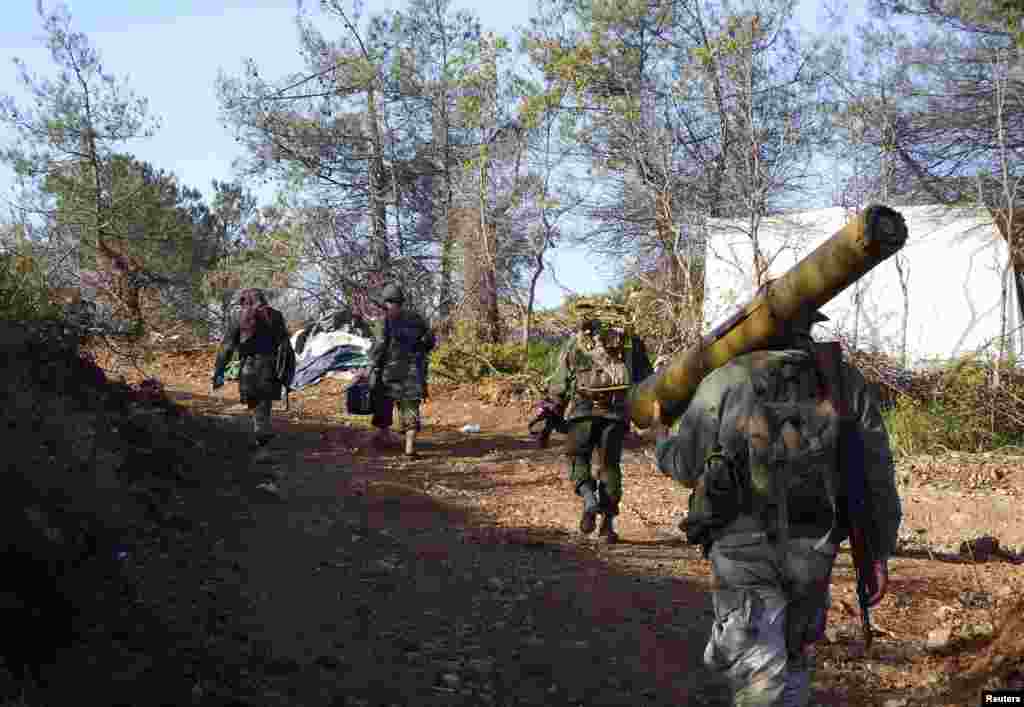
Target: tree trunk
[[480, 292], [378, 183], [538, 270], [685, 278], [111, 253], [442, 202]]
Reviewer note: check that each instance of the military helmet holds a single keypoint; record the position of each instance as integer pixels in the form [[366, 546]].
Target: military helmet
[[599, 315]]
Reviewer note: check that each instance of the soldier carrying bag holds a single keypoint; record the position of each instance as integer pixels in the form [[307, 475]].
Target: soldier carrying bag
[[360, 396]]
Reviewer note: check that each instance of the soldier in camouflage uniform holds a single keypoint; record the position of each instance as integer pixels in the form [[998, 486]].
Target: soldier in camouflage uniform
[[402, 339], [596, 368], [256, 336], [766, 420]]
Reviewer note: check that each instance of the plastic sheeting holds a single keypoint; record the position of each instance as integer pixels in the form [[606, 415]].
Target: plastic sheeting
[[320, 352], [339, 358]]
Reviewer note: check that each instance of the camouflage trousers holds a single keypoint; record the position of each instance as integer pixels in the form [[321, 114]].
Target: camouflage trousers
[[605, 436], [384, 415], [767, 613], [261, 421]]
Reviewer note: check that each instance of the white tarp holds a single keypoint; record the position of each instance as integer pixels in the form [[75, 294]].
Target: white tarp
[[954, 270], [322, 342]]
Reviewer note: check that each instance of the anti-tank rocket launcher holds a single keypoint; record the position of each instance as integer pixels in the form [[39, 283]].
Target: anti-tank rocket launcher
[[874, 235]]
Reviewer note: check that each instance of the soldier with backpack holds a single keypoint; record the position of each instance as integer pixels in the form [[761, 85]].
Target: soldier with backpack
[[260, 338], [778, 446], [597, 367]]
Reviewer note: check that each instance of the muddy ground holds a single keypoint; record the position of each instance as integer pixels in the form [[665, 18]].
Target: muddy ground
[[459, 578]]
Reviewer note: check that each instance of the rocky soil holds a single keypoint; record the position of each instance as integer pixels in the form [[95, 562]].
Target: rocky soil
[[458, 578]]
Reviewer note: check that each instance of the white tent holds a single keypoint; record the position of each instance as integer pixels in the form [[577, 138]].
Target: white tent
[[955, 280]]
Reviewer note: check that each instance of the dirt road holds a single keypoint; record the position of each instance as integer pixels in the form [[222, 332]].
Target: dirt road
[[458, 579]]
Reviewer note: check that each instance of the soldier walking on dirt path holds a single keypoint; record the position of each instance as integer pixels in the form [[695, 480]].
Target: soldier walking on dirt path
[[596, 369], [774, 445], [256, 336], [402, 340]]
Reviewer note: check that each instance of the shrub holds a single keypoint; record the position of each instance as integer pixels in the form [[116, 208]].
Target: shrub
[[958, 407], [467, 364], [23, 289], [913, 428], [544, 357]]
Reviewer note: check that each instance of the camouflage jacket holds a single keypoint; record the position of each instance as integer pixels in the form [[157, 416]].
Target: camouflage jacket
[[399, 352], [712, 421], [576, 364], [257, 379]]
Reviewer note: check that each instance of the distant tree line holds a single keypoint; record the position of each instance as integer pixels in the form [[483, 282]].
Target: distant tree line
[[416, 146]]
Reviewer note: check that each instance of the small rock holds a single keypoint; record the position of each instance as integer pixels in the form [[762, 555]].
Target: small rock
[[944, 612], [975, 600], [496, 583], [939, 639], [896, 702], [832, 634], [451, 680]]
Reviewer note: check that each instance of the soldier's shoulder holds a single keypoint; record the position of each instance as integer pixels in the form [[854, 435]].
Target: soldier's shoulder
[[738, 371]]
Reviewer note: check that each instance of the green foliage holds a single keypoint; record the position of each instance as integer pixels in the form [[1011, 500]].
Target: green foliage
[[23, 289], [912, 427], [961, 411], [543, 358], [457, 361]]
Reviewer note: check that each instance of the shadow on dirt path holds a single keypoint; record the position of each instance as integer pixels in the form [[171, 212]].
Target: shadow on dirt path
[[376, 580], [374, 592]]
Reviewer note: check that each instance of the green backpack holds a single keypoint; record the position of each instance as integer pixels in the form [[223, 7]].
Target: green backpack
[[788, 468]]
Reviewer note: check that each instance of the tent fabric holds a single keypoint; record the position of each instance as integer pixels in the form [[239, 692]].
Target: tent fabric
[[321, 343], [323, 349], [311, 370], [942, 297], [339, 358]]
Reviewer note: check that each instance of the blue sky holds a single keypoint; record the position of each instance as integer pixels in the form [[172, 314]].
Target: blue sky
[[171, 50]]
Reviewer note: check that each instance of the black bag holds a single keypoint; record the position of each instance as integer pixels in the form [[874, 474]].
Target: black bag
[[359, 398], [284, 368]]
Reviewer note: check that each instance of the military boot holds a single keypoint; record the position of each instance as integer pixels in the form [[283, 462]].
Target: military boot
[[607, 530], [410, 443], [591, 505]]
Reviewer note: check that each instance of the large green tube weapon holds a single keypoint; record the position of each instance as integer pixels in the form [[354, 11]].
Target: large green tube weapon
[[875, 234]]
